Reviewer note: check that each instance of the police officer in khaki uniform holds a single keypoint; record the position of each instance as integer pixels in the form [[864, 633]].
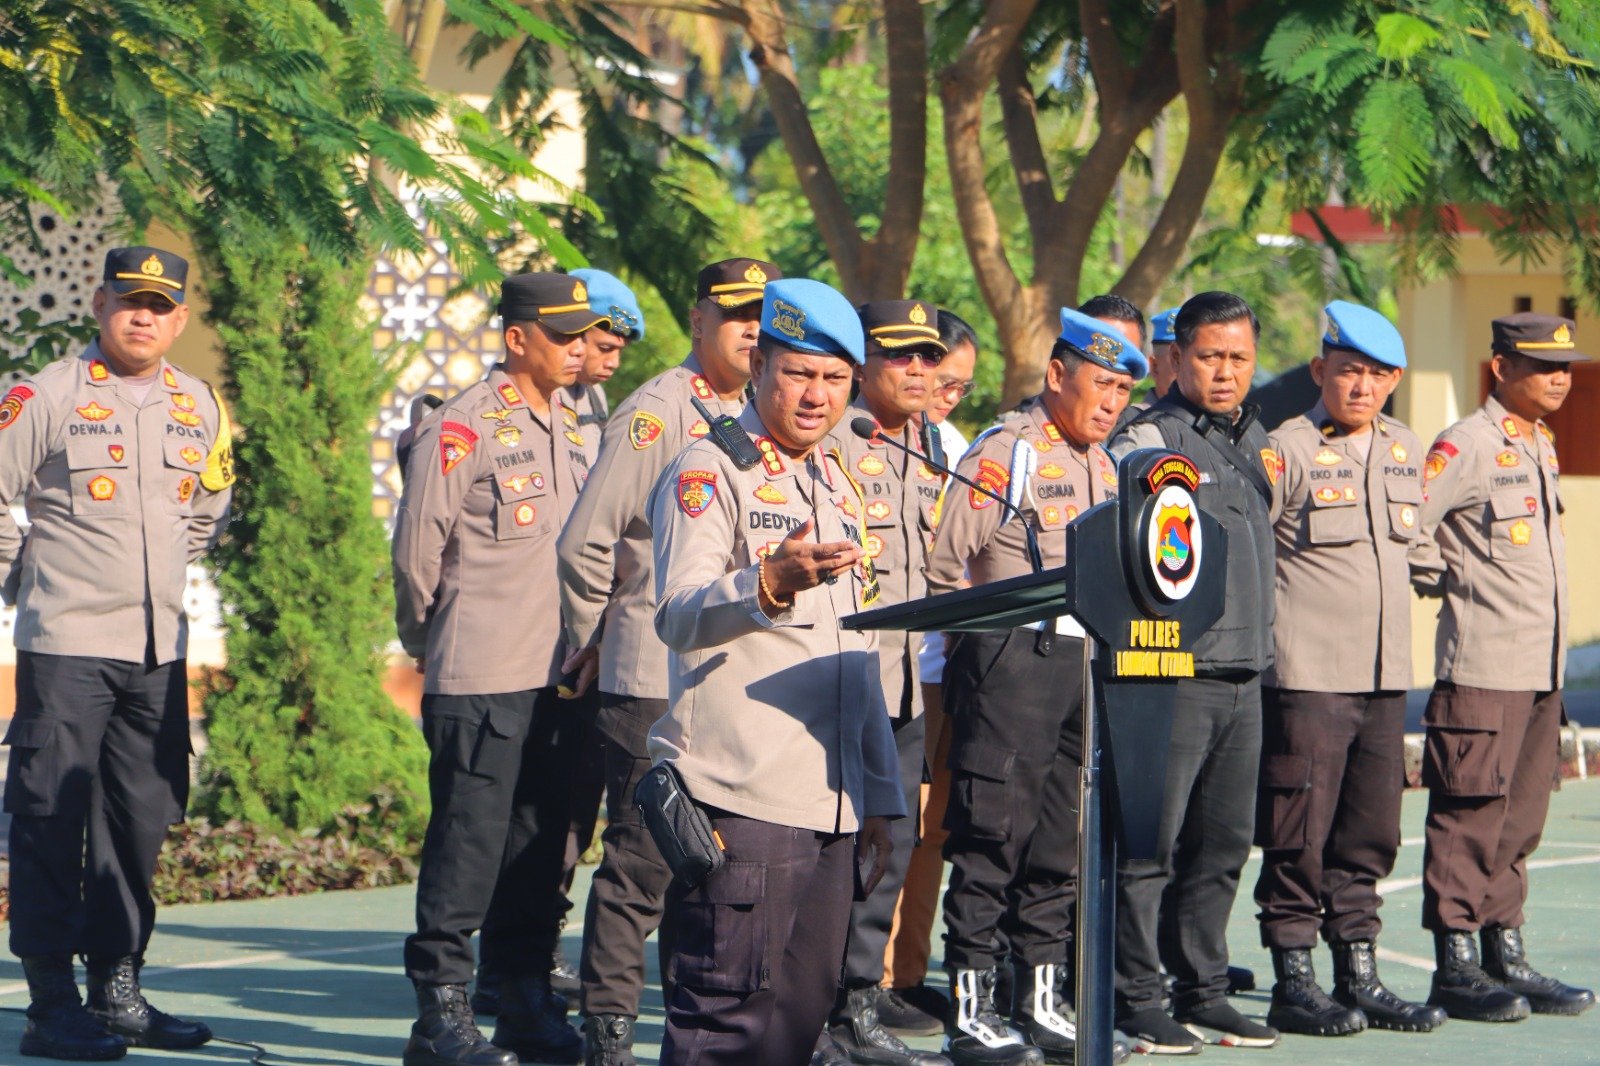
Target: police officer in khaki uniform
[[492, 477], [1014, 697], [1347, 503], [776, 718], [903, 351], [605, 567], [1491, 749], [123, 463]]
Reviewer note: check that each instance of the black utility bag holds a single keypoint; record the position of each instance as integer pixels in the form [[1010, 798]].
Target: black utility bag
[[680, 829]]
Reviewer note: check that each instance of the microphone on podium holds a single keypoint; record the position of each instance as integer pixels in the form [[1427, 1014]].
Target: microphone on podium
[[867, 429]]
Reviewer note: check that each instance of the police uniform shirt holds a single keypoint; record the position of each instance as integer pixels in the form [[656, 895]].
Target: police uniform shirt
[[1347, 516], [122, 494], [488, 487], [589, 403], [973, 534], [777, 719], [901, 498], [1494, 508], [604, 559]]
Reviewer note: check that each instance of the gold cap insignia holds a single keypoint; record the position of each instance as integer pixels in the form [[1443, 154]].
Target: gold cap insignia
[[788, 320], [1102, 347], [152, 267], [1333, 330], [579, 292], [755, 275], [1562, 335], [918, 316]]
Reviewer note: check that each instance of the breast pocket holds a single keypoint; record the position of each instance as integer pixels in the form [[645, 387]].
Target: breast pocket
[[524, 508], [1513, 515], [102, 484], [1405, 507], [1334, 518], [183, 461]]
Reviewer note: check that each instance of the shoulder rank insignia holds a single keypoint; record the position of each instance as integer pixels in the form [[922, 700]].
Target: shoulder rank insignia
[[102, 488], [1052, 434], [770, 494], [1399, 452], [696, 490], [702, 387], [170, 380], [94, 412], [1510, 428], [1507, 458], [771, 461], [456, 442], [870, 465], [644, 430], [508, 393], [1545, 431], [98, 371], [1327, 457]]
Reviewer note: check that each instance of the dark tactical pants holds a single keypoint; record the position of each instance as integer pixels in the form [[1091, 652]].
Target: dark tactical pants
[[99, 767], [1207, 820], [496, 832], [1327, 812], [756, 947], [1013, 811], [872, 918], [580, 750], [1490, 762], [630, 885]]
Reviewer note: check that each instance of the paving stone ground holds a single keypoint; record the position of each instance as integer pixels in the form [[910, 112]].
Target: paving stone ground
[[316, 979]]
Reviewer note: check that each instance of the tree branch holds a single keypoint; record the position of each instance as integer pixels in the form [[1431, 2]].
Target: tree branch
[[1019, 116], [836, 223], [892, 249], [1112, 74]]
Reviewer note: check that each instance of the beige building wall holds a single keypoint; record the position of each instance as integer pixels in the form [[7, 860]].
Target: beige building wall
[[1446, 327]]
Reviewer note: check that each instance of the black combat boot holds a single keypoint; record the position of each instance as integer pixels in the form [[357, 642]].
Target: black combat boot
[[1462, 988], [563, 974], [533, 1022], [1505, 961], [1039, 1012], [978, 1035], [115, 998], [863, 1038], [486, 992], [446, 1034], [608, 1041], [58, 1026], [1299, 1005], [1356, 985]]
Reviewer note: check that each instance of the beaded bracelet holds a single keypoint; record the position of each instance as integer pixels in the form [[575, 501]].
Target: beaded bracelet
[[761, 574]]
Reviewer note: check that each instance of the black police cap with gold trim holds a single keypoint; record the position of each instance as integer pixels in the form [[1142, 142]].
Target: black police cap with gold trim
[[895, 324], [559, 301], [735, 282], [1548, 337], [145, 269]]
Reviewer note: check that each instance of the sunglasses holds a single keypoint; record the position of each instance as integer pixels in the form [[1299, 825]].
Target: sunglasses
[[961, 389], [929, 357]]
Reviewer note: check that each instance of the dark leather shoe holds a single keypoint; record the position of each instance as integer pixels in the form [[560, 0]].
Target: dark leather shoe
[[1464, 990], [446, 1034], [864, 1038], [915, 1011], [1299, 1005], [1505, 960], [117, 1000], [533, 1022], [608, 1041], [1356, 985], [58, 1025]]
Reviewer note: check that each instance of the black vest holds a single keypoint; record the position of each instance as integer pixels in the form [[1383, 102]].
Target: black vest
[[1235, 490]]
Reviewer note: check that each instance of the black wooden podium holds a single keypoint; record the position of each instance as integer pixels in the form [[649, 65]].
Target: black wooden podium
[[1145, 576]]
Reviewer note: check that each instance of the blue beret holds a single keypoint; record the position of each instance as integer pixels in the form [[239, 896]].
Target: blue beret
[[1101, 344], [1161, 326], [610, 297], [809, 316], [1361, 329]]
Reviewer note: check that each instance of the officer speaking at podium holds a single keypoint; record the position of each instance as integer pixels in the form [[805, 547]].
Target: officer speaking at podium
[[775, 717], [1208, 806]]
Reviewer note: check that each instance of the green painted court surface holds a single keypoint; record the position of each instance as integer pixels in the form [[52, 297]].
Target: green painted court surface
[[317, 981]]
